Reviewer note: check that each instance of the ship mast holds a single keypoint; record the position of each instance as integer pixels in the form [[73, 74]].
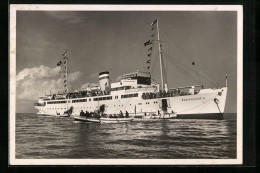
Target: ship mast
[[66, 71], [161, 59]]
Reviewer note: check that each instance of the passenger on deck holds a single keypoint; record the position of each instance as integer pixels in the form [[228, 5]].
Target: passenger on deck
[[178, 91], [87, 114], [159, 112], [191, 90], [126, 114]]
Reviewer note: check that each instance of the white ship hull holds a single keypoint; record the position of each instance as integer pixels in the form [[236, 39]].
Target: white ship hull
[[201, 105]]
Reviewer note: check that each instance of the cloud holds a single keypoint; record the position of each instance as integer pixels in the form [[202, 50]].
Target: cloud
[[88, 85], [30, 82], [69, 18]]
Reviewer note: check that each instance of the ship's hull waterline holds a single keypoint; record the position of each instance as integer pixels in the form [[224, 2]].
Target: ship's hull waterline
[[208, 103]]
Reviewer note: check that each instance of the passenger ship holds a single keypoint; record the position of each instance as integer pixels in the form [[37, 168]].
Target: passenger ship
[[137, 94]]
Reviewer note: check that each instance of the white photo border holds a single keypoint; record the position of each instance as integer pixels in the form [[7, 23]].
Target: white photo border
[[12, 84]]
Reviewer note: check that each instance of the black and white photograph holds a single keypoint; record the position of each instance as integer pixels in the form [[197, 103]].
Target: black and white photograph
[[125, 85]]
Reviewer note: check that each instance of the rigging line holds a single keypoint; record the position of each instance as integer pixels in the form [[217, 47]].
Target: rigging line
[[165, 74], [157, 57], [211, 82], [188, 68], [180, 69], [176, 59], [70, 74], [209, 79], [189, 57], [59, 77], [208, 75], [74, 77], [196, 71], [163, 64]]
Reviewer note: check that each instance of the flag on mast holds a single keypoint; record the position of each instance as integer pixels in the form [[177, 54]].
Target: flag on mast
[[154, 22], [148, 42], [59, 63]]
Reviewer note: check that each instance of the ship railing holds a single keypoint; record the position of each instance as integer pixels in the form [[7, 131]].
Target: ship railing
[[200, 86], [84, 95]]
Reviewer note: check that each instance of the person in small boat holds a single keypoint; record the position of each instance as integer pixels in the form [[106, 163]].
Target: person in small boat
[[87, 114], [126, 114], [115, 116], [159, 112], [81, 113]]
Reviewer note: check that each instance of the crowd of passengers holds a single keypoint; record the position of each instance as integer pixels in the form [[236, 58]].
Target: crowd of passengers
[[98, 115], [80, 95], [86, 94], [172, 93]]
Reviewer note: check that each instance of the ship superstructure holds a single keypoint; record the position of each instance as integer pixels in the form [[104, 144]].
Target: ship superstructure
[[137, 94]]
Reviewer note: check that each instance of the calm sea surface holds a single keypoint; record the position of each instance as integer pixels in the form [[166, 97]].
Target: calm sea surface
[[47, 137]]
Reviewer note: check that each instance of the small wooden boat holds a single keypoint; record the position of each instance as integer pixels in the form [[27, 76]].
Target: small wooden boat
[[165, 116], [140, 115], [116, 120], [93, 120]]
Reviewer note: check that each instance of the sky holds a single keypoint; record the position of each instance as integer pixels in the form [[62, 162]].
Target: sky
[[112, 41]]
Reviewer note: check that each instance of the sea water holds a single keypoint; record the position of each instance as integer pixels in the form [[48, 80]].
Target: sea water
[[47, 137]]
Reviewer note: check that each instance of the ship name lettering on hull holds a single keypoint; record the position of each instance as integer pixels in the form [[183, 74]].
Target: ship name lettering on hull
[[191, 99]]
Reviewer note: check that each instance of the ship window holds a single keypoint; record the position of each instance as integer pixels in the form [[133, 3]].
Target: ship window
[[89, 99], [129, 95]]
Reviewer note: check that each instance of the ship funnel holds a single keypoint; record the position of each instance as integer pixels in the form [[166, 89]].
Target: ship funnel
[[104, 82]]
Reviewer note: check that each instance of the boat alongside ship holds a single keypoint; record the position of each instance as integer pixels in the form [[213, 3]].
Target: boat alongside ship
[[136, 94], [103, 120]]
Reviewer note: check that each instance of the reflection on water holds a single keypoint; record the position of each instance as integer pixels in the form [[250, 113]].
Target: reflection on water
[[49, 137]]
